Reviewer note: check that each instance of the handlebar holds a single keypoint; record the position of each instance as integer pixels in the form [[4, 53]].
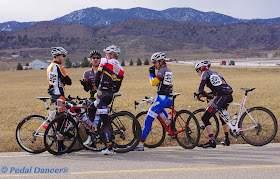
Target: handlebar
[[146, 100], [209, 96]]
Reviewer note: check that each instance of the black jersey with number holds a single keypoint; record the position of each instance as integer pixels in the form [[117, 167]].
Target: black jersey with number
[[215, 82]]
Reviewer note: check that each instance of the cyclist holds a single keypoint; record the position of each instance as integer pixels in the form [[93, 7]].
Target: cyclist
[[108, 81], [223, 92], [164, 81], [89, 84], [57, 79]]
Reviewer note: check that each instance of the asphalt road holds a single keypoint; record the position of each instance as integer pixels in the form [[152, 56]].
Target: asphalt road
[[235, 161]]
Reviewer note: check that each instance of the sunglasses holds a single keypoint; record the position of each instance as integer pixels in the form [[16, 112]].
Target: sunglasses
[[62, 55], [95, 57]]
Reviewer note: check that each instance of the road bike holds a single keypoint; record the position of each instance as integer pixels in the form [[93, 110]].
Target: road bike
[[30, 130], [183, 126], [257, 125], [126, 130]]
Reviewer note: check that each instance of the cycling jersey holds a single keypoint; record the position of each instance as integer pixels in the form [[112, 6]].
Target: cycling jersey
[[89, 78], [57, 78], [110, 75], [215, 82], [164, 81]]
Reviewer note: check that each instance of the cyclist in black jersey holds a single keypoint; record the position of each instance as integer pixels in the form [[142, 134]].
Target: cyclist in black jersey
[[223, 93], [89, 85]]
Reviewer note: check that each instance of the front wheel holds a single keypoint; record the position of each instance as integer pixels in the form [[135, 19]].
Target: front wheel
[[61, 126], [203, 133], [186, 129], [126, 131], [261, 126], [157, 133]]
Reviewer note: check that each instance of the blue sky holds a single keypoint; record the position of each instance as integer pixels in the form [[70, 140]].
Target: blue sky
[[39, 10]]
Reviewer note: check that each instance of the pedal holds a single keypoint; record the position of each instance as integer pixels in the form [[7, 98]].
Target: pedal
[[171, 135]]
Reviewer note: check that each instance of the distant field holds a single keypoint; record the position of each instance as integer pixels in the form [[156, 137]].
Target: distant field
[[19, 88]]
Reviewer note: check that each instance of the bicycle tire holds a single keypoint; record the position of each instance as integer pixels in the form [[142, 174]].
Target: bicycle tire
[[32, 124], [50, 137], [157, 133], [266, 129], [203, 133], [97, 142], [187, 122], [126, 131]]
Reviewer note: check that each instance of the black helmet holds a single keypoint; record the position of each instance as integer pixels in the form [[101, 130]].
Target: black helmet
[[95, 52]]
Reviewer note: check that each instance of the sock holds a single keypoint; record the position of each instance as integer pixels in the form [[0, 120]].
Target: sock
[[109, 145], [211, 137]]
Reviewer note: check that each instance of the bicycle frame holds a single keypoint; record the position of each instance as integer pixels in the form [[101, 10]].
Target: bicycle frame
[[49, 116], [242, 108], [173, 112]]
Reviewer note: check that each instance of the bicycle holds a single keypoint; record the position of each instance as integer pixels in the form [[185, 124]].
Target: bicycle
[[257, 125], [30, 130], [183, 126], [126, 130]]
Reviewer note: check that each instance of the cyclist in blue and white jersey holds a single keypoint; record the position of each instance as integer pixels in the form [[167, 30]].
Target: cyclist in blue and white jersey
[[164, 81]]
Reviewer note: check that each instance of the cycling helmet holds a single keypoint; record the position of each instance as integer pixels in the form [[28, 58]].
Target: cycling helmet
[[58, 51], [95, 52], [208, 63], [157, 57], [202, 66], [113, 49]]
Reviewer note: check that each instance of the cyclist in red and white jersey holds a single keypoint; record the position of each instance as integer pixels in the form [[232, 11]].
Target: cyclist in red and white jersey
[[57, 79], [108, 81]]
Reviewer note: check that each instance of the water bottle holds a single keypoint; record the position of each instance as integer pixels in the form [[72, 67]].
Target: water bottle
[[226, 114], [96, 120], [86, 120], [234, 119], [164, 118]]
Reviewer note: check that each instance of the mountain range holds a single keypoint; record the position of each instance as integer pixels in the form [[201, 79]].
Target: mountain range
[[103, 17]]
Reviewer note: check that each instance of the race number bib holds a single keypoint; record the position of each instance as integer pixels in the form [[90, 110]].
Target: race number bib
[[52, 78], [215, 80], [168, 78]]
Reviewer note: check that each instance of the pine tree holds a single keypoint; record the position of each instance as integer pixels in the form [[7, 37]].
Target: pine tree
[[122, 63], [146, 62], [19, 67], [131, 63], [68, 63], [139, 63], [85, 63]]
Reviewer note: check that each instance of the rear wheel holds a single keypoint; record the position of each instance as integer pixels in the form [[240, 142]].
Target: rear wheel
[[30, 133], [186, 129], [157, 133], [264, 126], [96, 139], [126, 131]]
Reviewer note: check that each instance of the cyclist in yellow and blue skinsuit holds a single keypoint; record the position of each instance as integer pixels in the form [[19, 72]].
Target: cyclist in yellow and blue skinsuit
[[164, 81]]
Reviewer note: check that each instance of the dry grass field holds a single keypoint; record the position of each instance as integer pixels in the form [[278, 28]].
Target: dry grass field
[[19, 88]]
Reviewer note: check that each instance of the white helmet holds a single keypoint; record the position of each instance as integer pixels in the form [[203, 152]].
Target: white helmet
[[112, 49], [202, 66], [158, 56], [58, 51]]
